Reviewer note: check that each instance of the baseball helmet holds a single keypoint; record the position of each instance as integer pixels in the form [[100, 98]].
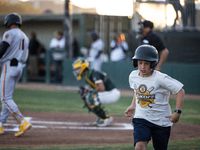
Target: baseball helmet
[[12, 18], [148, 53], [79, 66], [93, 35]]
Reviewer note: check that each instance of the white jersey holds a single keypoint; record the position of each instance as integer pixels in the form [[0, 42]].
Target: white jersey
[[96, 47], [118, 54], [58, 45], [152, 96], [18, 48]]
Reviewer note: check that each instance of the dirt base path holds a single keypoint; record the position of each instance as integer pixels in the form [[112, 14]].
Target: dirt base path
[[66, 128]]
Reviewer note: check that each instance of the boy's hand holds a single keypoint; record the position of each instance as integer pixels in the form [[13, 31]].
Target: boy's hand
[[173, 117], [129, 112]]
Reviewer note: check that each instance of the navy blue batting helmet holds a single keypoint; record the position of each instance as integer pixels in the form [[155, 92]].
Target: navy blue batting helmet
[[12, 18], [148, 53], [93, 35]]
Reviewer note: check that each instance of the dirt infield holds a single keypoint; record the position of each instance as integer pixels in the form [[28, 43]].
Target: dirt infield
[[78, 129], [70, 128]]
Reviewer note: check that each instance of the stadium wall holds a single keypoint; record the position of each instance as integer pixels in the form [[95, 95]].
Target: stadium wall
[[119, 72]]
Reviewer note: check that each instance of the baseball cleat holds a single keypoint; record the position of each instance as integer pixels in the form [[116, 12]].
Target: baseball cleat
[[1, 131], [96, 121], [105, 122], [23, 127]]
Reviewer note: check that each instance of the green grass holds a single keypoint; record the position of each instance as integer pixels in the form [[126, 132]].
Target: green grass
[[56, 101], [190, 110], [175, 145]]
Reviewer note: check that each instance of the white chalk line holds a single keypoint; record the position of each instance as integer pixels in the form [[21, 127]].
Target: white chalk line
[[68, 125]]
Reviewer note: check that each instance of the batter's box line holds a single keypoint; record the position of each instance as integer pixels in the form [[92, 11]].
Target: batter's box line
[[16, 127], [71, 125]]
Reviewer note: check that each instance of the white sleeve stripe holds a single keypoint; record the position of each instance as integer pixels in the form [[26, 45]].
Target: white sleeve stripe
[[98, 81]]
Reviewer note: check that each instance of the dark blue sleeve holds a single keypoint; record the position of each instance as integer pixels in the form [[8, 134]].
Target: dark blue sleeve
[[3, 48]]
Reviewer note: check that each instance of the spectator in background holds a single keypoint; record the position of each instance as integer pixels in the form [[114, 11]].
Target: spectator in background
[[150, 38], [75, 47], [119, 47], [34, 50], [96, 49], [190, 11], [58, 54], [178, 7]]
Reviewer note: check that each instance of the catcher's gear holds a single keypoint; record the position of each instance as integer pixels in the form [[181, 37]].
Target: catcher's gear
[[79, 66], [12, 18], [148, 53], [95, 105], [100, 112], [83, 92]]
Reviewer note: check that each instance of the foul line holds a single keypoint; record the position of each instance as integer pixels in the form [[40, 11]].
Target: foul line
[[69, 125]]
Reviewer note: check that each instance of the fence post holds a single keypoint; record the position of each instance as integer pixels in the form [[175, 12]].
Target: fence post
[[48, 65], [24, 75]]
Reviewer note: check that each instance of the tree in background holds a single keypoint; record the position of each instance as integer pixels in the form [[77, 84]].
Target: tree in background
[[21, 8]]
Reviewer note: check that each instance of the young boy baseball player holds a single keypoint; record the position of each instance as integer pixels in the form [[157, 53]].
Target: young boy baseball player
[[13, 55], [152, 118]]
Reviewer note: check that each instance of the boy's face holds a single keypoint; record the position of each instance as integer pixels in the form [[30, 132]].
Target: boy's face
[[144, 68]]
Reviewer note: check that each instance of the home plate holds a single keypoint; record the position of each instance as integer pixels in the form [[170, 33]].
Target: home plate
[[12, 126]]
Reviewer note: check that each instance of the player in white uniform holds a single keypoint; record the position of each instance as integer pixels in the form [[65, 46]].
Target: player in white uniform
[[119, 47], [13, 55], [58, 55], [152, 118], [95, 52]]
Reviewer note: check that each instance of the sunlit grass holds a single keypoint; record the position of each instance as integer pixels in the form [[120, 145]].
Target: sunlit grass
[[59, 101]]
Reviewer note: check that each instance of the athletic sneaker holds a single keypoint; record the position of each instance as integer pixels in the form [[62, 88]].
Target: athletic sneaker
[[23, 127], [96, 121], [1, 131], [104, 122]]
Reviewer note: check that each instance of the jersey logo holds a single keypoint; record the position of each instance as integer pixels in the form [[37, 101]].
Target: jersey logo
[[6, 36], [144, 97]]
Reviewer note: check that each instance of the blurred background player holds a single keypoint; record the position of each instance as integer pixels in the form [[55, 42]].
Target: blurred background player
[[58, 44], [34, 51], [150, 38], [119, 47], [102, 90], [96, 49], [152, 118], [13, 55]]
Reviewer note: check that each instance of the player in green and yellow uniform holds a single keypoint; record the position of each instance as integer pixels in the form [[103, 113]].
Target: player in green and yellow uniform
[[103, 90]]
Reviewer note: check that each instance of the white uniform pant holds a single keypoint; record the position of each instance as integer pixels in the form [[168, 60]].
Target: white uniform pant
[[10, 75], [96, 63], [109, 97]]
